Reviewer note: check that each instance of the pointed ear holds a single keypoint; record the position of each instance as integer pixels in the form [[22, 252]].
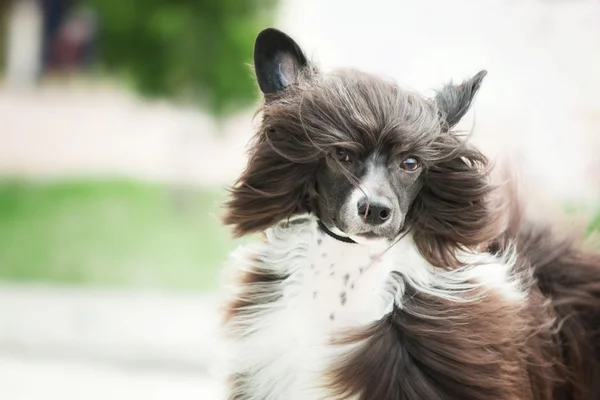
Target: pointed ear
[[277, 60], [455, 100]]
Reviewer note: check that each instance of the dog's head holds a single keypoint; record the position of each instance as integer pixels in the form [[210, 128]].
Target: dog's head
[[368, 158]]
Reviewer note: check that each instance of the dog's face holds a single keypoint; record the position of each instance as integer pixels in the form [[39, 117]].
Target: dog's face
[[367, 157], [376, 199]]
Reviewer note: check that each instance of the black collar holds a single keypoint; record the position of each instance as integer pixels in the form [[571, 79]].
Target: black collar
[[344, 239]]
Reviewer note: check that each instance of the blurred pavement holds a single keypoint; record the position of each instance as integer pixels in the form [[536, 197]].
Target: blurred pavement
[[58, 342], [33, 379], [96, 130]]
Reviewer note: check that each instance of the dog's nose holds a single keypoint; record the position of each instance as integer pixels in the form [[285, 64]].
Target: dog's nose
[[374, 212]]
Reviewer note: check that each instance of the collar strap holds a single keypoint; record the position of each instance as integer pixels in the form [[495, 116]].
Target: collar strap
[[344, 239]]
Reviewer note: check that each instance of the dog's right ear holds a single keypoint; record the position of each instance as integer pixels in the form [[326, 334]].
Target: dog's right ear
[[455, 100], [277, 60]]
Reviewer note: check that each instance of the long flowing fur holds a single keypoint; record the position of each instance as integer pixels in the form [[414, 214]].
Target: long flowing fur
[[432, 342], [568, 275]]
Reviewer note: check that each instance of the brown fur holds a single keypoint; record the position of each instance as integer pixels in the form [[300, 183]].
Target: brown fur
[[260, 286], [432, 348], [549, 349], [570, 277], [264, 284]]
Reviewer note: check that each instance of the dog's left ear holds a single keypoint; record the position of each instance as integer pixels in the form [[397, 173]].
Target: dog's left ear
[[277, 60], [455, 100]]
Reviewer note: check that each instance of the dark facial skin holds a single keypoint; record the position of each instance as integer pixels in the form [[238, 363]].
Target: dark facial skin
[[387, 181]]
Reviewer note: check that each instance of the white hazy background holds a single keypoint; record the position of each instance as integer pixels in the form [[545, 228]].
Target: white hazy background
[[540, 102]]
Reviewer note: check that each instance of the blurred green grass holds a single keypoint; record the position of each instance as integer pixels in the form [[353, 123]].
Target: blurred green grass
[[111, 233], [594, 227], [117, 233]]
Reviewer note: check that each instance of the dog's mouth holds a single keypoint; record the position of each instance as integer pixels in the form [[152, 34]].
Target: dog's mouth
[[368, 233], [374, 235]]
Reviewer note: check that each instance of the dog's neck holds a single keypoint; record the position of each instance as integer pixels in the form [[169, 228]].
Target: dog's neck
[[337, 236]]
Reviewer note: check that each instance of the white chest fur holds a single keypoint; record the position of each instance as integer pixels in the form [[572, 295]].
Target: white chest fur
[[283, 347]]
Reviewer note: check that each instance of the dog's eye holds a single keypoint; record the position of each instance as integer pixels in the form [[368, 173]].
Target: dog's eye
[[411, 164], [342, 155]]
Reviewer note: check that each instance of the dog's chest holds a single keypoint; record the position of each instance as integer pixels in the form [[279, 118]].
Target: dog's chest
[[340, 286], [304, 290], [331, 287]]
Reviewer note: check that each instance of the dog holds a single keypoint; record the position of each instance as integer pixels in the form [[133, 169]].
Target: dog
[[387, 269]]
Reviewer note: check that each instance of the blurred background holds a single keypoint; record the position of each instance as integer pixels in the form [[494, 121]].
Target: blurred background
[[122, 122]]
